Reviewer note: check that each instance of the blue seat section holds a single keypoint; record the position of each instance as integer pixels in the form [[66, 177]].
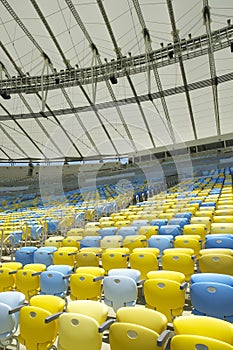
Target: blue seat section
[[108, 231], [208, 204], [44, 256], [53, 283], [174, 230], [65, 269], [52, 225], [219, 242], [36, 232], [179, 221], [15, 238], [119, 291], [25, 255], [158, 222], [186, 215], [127, 231], [212, 299], [133, 273], [161, 242], [90, 241], [212, 277]]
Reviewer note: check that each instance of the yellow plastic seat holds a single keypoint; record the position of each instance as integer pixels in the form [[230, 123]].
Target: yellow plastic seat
[[35, 267], [165, 296], [111, 242], [223, 218], [91, 308], [180, 262], [216, 263], [196, 229], [92, 270], [54, 241], [7, 280], [181, 250], [113, 260], [144, 262], [27, 282], [87, 258], [35, 333], [77, 330], [204, 326], [227, 251], [202, 220], [122, 223], [148, 231], [167, 274], [72, 241], [136, 328], [65, 256], [134, 241], [51, 303], [151, 250], [225, 227], [85, 286], [186, 241], [12, 265], [193, 342], [75, 232]]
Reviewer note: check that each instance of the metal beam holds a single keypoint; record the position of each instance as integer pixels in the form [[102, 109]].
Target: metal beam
[[207, 20], [191, 48], [119, 55], [178, 52], [155, 70], [68, 67], [85, 32], [130, 100]]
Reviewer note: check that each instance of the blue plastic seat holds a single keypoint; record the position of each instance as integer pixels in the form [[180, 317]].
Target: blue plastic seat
[[212, 299], [44, 256], [90, 241], [212, 277], [119, 291], [25, 255], [179, 221], [158, 222], [187, 215], [174, 230], [217, 241], [133, 273], [108, 231], [53, 283], [161, 242], [127, 231], [9, 321]]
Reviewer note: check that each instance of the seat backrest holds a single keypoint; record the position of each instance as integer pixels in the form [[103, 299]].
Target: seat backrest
[[212, 299], [84, 286], [195, 342], [119, 291], [111, 260], [219, 242], [133, 273], [142, 316], [212, 277], [205, 326], [43, 257], [217, 263], [179, 262], [131, 336], [94, 309], [144, 262], [87, 259], [34, 332], [50, 303], [74, 328], [7, 280], [53, 283], [167, 274], [165, 296], [27, 282]]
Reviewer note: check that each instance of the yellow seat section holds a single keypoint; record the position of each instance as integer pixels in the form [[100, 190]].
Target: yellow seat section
[[194, 342], [65, 256], [35, 333], [51, 303], [151, 250], [77, 331], [144, 262], [216, 263], [111, 242], [165, 296], [87, 258], [142, 316], [134, 241], [92, 270], [180, 262], [167, 274], [114, 259], [196, 229], [186, 241], [85, 286], [72, 241], [202, 220], [225, 227], [148, 231], [7, 279], [206, 251], [35, 267], [27, 282], [91, 308], [205, 326], [223, 218]]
